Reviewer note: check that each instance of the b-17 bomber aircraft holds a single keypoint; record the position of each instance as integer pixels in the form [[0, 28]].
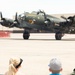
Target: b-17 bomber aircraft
[[40, 21]]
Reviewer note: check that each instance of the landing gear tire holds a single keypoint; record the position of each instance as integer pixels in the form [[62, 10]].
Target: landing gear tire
[[58, 36], [26, 35]]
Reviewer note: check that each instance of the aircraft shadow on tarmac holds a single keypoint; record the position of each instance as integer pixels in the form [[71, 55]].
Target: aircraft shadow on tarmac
[[69, 39]]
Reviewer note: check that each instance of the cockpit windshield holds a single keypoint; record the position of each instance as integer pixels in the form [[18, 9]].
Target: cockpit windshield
[[41, 14], [22, 15]]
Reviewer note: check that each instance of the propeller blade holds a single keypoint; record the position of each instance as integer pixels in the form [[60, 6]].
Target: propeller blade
[[1, 17], [16, 17], [64, 17], [15, 21]]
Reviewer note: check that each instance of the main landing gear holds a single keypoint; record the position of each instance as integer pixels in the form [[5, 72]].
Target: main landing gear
[[58, 35], [26, 34]]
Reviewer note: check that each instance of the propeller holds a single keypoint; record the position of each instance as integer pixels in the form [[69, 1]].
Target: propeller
[[71, 17], [1, 18], [15, 21]]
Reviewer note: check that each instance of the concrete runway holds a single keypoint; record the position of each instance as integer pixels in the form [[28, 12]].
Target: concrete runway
[[37, 52]]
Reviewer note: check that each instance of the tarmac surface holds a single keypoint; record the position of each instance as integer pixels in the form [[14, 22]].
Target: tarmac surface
[[37, 52]]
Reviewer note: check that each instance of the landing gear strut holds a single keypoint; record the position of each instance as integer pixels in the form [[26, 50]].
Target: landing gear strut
[[26, 34]]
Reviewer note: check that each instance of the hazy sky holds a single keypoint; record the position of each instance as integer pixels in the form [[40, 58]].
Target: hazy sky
[[10, 7]]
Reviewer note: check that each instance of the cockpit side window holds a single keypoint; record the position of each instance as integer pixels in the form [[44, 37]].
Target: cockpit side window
[[41, 14]]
